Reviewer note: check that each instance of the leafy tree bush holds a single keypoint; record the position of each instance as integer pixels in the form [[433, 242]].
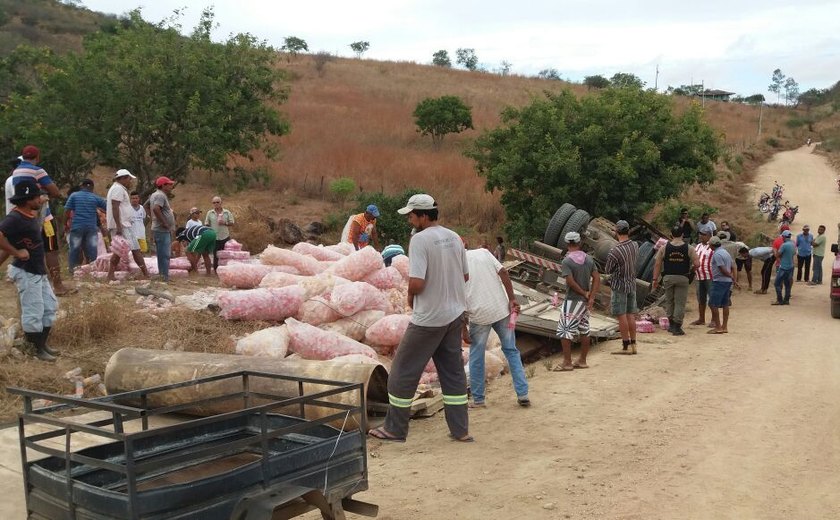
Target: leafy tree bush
[[777, 83], [342, 188], [466, 58], [549, 74], [294, 45], [613, 154], [148, 99], [320, 60], [441, 59], [360, 48], [626, 80], [597, 81], [390, 225], [440, 116], [754, 99]]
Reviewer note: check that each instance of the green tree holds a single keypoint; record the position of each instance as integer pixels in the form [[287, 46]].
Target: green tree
[[612, 154], [549, 74], [360, 48], [504, 67], [791, 90], [390, 225], [440, 116], [626, 80], [597, 81], [441, 59], [148, 99], [813, 97], [777, 83], [294, 46], [755, 99], [342, 188], [466, 58]]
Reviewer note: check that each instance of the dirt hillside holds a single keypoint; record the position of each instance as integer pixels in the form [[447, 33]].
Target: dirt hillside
[[743, 425]]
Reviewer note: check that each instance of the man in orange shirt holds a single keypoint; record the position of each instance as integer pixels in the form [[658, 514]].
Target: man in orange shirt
[[363, 228]]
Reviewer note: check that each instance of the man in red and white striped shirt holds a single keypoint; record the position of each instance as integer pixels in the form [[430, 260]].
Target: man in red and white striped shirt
[[703, 271]]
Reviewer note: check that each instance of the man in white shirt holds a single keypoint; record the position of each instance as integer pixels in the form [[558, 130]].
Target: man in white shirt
[[120, 216], [490, 302]]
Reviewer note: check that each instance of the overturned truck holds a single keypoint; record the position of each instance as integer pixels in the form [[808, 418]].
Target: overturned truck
[[536, 269]]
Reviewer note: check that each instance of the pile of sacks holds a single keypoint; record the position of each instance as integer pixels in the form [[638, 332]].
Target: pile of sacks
[[336, 304], [178, 266]]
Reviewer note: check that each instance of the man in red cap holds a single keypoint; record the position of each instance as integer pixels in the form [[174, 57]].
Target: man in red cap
[[28, 169], [163, 223]]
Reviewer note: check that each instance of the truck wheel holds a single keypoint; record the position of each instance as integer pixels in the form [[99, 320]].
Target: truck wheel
[[577, 222], [555, 225], [646, 252], [835, 309]]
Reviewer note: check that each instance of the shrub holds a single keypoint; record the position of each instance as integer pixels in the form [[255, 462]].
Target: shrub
[[342, 188], [772, 141], [390, 224]]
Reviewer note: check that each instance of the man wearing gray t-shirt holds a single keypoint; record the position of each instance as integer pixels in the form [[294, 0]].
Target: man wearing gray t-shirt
[[582, 283], [436, 292], [163, 223]]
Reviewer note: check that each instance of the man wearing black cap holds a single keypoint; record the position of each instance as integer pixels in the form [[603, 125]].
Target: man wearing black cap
[[84, 228], [674, 262], [621, 268], [20, 237]]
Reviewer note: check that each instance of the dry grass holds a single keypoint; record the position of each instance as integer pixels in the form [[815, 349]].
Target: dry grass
[[99, 324]]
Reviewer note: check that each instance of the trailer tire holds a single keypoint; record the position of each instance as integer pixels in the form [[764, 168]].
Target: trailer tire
[[835, 309], [555, 225], [577, 222], [646, 252]]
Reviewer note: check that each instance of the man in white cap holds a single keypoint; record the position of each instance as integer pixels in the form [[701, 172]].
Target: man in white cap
[[120, 215], [438, 274], [582, 284], [784, 273]]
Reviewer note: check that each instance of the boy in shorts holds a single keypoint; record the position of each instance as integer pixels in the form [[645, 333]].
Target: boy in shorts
[[582, 282], [202, 243]]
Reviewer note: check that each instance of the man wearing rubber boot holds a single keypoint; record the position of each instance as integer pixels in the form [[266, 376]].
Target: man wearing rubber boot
[[674, 263], [436, 292], [20, 237]]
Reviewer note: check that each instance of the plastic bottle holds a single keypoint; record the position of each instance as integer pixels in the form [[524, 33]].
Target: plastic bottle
[[95, 379], [512, 320], [72, 374], [555, 299]]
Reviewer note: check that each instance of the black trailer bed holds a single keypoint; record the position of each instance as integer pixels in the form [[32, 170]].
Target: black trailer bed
[[215, 467]]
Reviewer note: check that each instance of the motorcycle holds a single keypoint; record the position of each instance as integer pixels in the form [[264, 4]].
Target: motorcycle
[[838, 184], [775, 207], [790, 213], [778, 191], [764, 201]]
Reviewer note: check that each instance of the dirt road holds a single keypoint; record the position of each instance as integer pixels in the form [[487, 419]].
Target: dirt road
[[744, 425]]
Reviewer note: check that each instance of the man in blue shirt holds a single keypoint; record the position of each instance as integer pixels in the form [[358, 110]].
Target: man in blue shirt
[[722, 282], [784, 273], [804, 248], [84, 228]]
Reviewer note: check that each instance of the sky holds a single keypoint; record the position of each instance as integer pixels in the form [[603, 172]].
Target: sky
[[731, 45]]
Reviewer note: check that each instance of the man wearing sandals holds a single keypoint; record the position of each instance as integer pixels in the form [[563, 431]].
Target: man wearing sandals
[[582, 283], [436, 292]]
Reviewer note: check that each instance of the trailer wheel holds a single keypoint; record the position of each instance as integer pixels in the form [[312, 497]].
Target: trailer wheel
[[555, 225], [577, 222], [835, 309], [646, 251]]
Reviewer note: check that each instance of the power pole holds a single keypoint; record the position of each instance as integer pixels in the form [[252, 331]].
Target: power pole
[[760, 113], [703, 93], [656, 81]]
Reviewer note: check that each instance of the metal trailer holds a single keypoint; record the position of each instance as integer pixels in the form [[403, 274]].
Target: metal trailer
[[263, 461]]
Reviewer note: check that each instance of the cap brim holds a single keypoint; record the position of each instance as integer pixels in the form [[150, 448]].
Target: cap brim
[[126, 175], [405, 211]]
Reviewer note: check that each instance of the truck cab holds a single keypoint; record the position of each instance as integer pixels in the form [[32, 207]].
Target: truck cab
[[835, 283]]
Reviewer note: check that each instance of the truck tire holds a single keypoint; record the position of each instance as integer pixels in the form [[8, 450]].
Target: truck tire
[[646, 252], [601, 249], [555, 225], [835, 309], [577, 222]]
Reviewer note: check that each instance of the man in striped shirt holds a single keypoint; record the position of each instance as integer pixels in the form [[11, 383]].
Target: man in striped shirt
[[621, 268], [202, 242], [703, 270]]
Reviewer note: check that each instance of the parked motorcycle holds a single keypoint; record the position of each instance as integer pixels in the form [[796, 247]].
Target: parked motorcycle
[[778, 191], [790, 213], [775, 207], [764, 201]]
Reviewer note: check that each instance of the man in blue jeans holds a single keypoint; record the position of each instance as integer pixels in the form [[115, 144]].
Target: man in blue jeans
[[784, 274], [490, 302], [163, 224], [84, 227]]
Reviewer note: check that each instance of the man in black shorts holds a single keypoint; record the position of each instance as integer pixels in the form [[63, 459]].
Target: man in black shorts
[[744, 261]]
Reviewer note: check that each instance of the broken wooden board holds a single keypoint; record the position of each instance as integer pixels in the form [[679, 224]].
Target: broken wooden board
[[420, 407]]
